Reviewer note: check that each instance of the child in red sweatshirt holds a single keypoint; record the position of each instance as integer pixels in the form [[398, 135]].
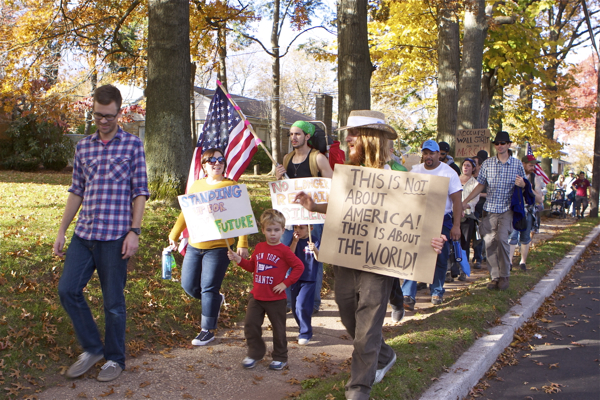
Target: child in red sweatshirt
[[269, 263]]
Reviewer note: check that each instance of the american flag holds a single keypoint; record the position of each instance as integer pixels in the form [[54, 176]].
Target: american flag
[[538, 170], [226, 130]]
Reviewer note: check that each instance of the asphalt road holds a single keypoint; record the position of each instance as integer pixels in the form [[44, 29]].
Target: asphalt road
[[559, 359]]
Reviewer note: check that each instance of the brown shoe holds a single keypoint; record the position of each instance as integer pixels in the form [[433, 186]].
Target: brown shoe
[[503, 283], [493, 285]]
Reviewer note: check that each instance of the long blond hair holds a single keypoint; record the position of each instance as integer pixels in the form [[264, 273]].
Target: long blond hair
[[373, 147]]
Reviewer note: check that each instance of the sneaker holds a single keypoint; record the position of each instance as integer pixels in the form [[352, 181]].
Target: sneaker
[[449, 277], [503, 283], [203, 338], [523, 267], [409, 303], [397, 315], [421, 286], [477, 265], [303, 342], [380, 373], [493, 285], [83, 364], [462, 277], [436, 300], [277, 365], [249, 363], [288, 310], [109, 372]]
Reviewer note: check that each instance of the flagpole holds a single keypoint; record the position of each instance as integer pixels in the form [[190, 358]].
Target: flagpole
[[250, 128]]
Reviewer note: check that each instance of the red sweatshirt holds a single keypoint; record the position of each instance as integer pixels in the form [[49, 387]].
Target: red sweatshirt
[[269, 265]]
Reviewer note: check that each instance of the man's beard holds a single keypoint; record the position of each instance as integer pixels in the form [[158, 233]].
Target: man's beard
[[300, 143], [357, 157]]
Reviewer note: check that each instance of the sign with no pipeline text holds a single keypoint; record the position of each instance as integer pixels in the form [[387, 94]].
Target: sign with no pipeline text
[[283, 193], [382, 221], [218, 214]]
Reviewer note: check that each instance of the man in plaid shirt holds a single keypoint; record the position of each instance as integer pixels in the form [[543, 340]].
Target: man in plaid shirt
[[110, 185], [501, 173]]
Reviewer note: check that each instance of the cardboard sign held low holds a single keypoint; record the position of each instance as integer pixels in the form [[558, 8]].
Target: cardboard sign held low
[[382, 221], [218, 214], [283, 193], [470, 141]]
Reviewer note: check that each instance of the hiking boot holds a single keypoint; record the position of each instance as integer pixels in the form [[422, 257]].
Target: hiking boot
[[83, 364], [477, 265], [436, 300], [503, 283], [277, 365], [109, 372], [397, 315], [249, 363], [523, 267], [380, 373], [493, 285], [203, 338], [409, 303], [462, 277]]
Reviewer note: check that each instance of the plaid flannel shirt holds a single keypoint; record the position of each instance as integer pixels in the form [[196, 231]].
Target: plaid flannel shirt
[[108, 177], [501, 182]]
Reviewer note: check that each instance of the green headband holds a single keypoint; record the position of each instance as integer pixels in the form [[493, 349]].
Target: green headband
[[306, 127]]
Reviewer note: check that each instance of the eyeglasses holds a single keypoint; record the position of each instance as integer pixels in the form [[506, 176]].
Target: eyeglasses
[[108, 117], [500, 143], [213, 160]]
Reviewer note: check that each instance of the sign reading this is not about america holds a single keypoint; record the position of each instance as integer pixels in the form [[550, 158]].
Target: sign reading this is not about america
[[382, 221], [218, 214]]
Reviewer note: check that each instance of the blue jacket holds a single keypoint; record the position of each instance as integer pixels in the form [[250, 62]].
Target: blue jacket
[[519, 198]]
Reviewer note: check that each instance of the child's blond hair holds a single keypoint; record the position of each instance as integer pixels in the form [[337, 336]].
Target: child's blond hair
[[272, 217]]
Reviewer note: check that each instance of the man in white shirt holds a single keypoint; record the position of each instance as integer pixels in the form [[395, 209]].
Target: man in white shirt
[[569, 185], [451, 228]]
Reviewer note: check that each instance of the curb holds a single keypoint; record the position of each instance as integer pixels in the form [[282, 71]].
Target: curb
[[474, 363]]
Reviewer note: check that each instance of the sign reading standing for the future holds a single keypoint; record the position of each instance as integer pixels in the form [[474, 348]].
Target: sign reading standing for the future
[[382, 221], [218, 214]]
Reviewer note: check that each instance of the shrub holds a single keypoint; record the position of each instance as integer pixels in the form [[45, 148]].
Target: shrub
[[34, 141]]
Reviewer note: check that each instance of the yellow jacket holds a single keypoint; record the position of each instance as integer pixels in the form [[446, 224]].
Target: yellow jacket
[[201, 186]]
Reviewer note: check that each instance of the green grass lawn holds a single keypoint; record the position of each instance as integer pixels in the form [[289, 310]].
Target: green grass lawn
[[37, 340]]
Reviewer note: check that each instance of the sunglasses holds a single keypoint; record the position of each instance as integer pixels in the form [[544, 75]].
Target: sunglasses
[[213, 160], [500, 143]]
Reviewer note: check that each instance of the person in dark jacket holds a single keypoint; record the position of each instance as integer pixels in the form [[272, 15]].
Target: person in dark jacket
[[446, 158]]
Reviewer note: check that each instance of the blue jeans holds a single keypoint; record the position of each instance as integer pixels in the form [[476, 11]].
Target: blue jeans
[[302, 306], [409, 288], [202, 274], [522, 237], [83, 257], [316, 233]]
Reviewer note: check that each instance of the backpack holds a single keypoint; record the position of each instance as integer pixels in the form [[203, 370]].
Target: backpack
[[312, 161]]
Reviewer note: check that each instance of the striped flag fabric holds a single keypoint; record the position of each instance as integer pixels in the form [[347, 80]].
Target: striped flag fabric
[[538, 170], [227, 130]]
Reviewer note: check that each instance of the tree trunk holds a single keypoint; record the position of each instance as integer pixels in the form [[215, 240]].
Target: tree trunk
[[354, 61], [469, 91], [488, 88], [222, 50], [448, 69], [275, 99], [88, 115], [595, 189], [168, 150]]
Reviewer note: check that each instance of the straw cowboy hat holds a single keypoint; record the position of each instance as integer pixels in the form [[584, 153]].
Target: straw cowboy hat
[[372, 120]]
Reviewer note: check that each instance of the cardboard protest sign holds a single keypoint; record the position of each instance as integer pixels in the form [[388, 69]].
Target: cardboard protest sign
[[218, 214], [470, 141], [382, 221], [283, 193]]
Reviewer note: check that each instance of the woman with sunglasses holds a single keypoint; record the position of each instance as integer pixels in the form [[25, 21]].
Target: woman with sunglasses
[[205, 263], [467, 225]]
